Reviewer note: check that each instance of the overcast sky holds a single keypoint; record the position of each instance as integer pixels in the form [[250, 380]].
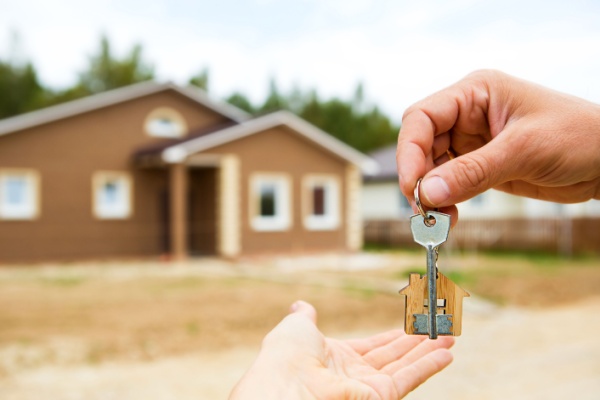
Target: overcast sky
[[401, 50]]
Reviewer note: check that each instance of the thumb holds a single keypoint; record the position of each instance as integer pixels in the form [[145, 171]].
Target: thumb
[[467, 176]]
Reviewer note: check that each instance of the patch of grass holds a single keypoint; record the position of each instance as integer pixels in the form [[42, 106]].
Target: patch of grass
[[542, 258], [192, 328], [462, 277], [64, 281], [360, 291]]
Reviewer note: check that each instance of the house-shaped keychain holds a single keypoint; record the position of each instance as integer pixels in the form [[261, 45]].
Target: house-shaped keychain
[[449, 305]]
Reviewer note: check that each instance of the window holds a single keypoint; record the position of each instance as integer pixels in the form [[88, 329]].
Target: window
[[19, 194], [112, 195], [165, 122], [321, 202], [270, 202]]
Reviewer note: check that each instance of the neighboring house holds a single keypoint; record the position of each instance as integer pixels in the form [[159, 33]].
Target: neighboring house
[[381, 196], [382, 199], [155, 169]]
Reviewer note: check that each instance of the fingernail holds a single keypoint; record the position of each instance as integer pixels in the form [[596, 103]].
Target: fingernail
[[435, 190]]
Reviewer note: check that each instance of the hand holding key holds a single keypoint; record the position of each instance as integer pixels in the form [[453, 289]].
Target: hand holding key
[[506, 134]]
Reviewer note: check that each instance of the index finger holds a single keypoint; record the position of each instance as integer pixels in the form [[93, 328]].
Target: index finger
[[420, 124]]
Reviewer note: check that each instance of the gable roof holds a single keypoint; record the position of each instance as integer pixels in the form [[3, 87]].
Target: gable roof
[[178, 152], [113, 97], [385, 157]]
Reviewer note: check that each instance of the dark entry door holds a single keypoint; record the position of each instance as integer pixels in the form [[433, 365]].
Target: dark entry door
[[203, 211]]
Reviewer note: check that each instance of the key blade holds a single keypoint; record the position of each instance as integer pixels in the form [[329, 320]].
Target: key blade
[[433, 235]]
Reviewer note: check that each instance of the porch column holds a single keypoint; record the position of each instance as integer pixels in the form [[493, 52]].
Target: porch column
[[178, 189], [229, 217], [354, 228]]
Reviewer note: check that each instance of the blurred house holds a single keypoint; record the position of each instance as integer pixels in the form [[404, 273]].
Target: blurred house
[[493, 220], [155, 169], [381, 196], [382, 199]]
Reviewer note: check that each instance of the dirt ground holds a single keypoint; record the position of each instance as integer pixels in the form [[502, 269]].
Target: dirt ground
[[146, 330]]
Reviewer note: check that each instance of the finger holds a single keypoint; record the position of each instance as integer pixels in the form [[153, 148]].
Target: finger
[[453, 212], [393, 351], [462, 107], [363, 346], [463, 142], [410, 377], [441, 144], [296, 335], [419, 351], [421, 123], [303, 308], [470, 174], [415, 143], [444, 158]]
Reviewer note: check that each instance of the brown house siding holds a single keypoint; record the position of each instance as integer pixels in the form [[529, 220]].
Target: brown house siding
[[66, 154], [281, 150]]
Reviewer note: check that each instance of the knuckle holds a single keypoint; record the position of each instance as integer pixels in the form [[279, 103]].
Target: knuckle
[[485, 75], [474, 173]]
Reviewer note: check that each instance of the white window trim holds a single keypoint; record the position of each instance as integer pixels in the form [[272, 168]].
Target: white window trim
[[282, 221], [31, 210], [98, 180], [168, 113], [331, 219]]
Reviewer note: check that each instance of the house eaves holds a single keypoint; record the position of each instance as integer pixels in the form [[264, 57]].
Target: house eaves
[[178, 153], [385, 158], [114, 97]]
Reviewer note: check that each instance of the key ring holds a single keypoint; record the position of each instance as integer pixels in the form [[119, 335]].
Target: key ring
[[429, 220]]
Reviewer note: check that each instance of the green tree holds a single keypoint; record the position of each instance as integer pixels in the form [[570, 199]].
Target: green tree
[[275, 100], [242, 102], [354, 121], [105, 71], [20, 87], [201, 79]]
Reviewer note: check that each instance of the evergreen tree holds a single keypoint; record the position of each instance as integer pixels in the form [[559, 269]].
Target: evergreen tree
[[201, 80], [106, 72], [20, 88], [275, 101], [354, 122], [240, 101]]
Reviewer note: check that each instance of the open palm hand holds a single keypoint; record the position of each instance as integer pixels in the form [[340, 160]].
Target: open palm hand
[[298, 362]]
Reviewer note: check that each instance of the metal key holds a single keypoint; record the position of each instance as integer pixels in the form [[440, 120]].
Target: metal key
[[430, 232], [430, 229]]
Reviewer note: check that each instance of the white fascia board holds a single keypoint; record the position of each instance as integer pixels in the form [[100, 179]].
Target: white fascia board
[[367, 165], [113, 97], [179, 152], [79, 106], [223, 108]]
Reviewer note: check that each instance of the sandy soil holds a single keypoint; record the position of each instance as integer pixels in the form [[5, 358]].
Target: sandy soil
[[107, 332]]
